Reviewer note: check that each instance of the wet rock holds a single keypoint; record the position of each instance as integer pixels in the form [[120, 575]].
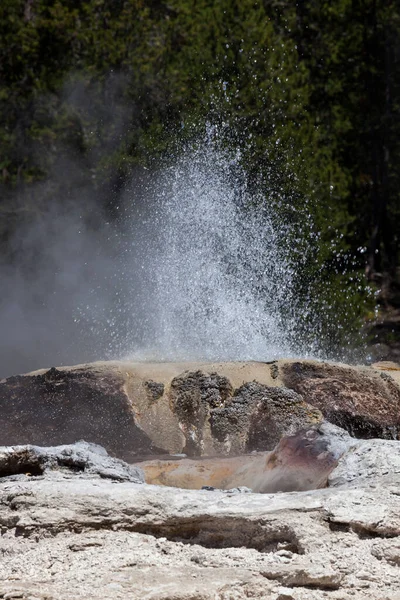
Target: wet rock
[[155, 390], [305, 460], [274, 371], [193, 395], [218, 420], [302, 461], [218, 473], [62, 406], [323, 455], [356, 399], [275, 412]]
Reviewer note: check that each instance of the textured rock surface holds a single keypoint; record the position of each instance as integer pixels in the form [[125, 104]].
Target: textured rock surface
[[363, 400], [139, 409], [84, 458], [305, 460], [367, 462], [219, 420], [78, 537]]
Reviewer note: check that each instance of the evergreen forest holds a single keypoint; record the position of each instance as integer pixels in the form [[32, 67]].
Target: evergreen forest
[[95, 94]]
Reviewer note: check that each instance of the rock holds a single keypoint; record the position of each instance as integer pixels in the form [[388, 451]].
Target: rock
[[83, 458], [388, 550], [323, 455], [82, 524], [363, 517], [285, 594], [193, 395], [154, 390], [219, 420], [241, 489], [303, 461], [63, 406], [64, 538], [137, 410], [361, 400], [257, 416], [368, 463], [311, 577]]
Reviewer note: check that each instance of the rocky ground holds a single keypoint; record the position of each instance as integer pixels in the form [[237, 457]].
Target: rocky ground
[[78, 523], [70, 533]]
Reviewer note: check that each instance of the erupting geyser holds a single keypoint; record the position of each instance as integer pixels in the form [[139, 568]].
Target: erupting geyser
[[215, 271]]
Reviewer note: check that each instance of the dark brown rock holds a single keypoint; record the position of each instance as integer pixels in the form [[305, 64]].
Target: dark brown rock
[[194, 395], [364, 402], [154, 390], [257, 416], [64, 406], [219, 420]]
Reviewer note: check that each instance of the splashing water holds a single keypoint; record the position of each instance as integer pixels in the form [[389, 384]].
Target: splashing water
[[216, 283]]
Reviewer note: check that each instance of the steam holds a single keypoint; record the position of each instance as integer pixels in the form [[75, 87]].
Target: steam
[[60, 259]]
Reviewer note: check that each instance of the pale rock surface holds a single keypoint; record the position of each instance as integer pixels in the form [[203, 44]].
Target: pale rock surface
[[75, 524], [368, 462], [82, 457], [68, 535]]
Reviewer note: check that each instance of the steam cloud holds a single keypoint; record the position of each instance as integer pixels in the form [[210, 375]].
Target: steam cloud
[[62, 256]]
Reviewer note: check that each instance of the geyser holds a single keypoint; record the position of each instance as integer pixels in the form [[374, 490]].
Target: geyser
[[198, 266], [212, 270]]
